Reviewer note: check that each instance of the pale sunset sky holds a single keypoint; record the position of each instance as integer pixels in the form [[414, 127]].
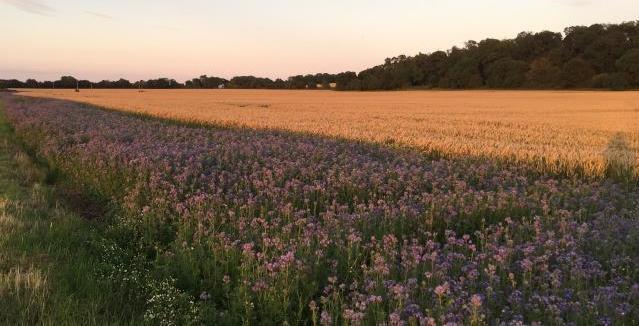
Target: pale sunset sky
[[142, 39]]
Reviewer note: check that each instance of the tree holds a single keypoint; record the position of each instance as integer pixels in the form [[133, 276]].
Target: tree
[[369, 80], [122, 83], [297, 82], [32, 83], [161, 83], [628, 64], [577, 73], [208, 82], [615, 81], [325, 79], [354, 85], [489, 51], [603, 52], [506, 73], [66, 82], [310, 81], [543, 74], [464, 74], [578, 38], [84, 84], [280, 84], [250, 82], [433, 67], [528, 46], [345, 80]]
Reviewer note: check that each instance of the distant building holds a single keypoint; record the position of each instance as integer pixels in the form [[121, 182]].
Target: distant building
[[330, 85], [221, 86]]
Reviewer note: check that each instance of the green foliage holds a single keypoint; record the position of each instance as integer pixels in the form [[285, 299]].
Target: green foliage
[[506, 73], [530, 46], [628, 64], [346, 81], [250, 82], [48, 267], [57, 268], [206, 82], [577, 73], [615, 81], [463, 74], [544, 60], [167, 305], [543, 74]]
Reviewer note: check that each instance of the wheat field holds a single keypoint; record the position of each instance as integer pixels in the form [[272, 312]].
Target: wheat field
[[581, 132]]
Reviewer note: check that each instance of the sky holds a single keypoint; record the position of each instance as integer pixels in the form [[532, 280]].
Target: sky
[[142, 39]]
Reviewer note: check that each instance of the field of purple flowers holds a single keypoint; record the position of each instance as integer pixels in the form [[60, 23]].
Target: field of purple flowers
[[273, 227]]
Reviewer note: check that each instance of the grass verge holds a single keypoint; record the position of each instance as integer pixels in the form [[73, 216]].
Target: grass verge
[[50, 266]]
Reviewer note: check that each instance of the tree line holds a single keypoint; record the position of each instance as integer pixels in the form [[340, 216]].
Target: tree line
[[597, 56], [295, 82]]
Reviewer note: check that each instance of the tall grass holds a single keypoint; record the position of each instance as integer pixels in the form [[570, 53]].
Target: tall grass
[[52, 261]]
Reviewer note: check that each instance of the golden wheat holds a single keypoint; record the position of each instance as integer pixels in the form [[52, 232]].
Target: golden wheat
[[558, 131]]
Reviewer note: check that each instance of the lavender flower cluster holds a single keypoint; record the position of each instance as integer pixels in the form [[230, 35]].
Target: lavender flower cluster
[[280, 227]]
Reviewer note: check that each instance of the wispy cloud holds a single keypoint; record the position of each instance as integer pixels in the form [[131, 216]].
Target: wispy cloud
[[98, 14], [31, 6]]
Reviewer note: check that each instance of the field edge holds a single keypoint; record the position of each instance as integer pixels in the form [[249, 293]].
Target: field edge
[[51, 262]]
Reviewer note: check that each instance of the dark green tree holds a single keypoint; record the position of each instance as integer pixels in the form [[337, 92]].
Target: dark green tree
[[615, 81], [464, 74], [506, 73], [628, 64], [576, 73], [543, 73]]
